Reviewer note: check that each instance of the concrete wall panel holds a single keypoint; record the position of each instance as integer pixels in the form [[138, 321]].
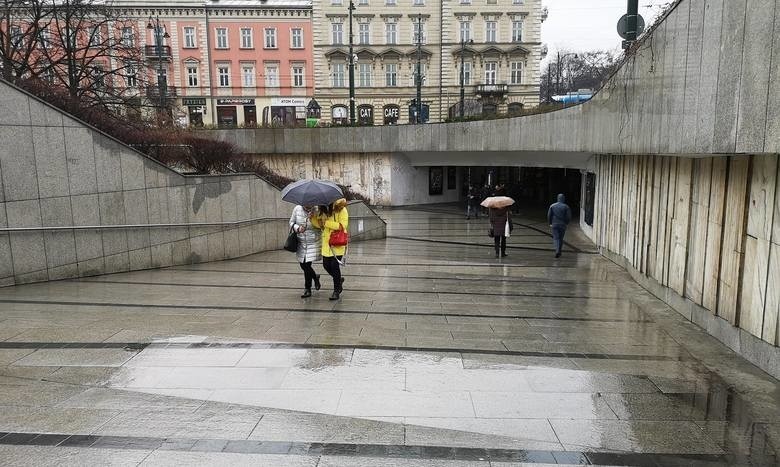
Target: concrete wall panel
[[140, 258], [772, 139], [693, 75], [117, 263], [754, 83], [772, 310], [133, 176], [82, 172], [729, 73], [112, 212], [20, 181], [29, 253], [682, 20], [162, 255], [710, 66], [41, 115], [108, 164], [15, 110], [50, 162], [60, 245]]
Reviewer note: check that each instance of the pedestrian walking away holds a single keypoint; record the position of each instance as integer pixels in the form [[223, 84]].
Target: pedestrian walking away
[[472, 203], [499, 219], [308, 246], [332, 218], [559, 216]]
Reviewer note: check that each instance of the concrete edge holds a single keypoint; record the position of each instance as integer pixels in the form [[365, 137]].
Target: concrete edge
[[761, 354]]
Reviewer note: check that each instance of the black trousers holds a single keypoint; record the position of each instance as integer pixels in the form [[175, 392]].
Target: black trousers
[[308, 274], [500, 242], [331, 264]]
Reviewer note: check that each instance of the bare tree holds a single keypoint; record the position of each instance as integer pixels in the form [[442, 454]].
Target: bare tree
[[82, 46], [21, 22], [568, 72], [93, 52]]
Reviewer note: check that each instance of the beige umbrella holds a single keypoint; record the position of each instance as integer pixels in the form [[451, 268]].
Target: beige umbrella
[[498, 202]]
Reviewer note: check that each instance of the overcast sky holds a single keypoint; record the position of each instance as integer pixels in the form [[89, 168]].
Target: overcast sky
[[584, 25]]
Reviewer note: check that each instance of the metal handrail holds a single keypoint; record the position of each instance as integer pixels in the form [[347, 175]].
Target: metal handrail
[[156, 226]]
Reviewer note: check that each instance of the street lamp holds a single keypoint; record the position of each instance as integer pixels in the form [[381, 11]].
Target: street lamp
[[418, 37], [351, 68], [159, 35], [463, 75]]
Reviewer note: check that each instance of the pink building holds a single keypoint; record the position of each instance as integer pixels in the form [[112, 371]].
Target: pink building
[[229, 62]]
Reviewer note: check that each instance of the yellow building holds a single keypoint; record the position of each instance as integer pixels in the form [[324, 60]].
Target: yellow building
[[499, 41]]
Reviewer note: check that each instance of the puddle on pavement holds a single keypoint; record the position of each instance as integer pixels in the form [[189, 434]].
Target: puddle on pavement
[[322, 380]]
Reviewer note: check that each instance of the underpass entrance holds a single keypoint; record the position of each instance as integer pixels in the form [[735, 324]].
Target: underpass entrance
[[533, 188]]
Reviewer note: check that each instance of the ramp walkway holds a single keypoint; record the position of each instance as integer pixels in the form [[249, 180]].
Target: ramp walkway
[[438, 354]]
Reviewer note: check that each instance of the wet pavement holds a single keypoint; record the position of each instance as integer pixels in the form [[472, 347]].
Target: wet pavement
[[438, 354]]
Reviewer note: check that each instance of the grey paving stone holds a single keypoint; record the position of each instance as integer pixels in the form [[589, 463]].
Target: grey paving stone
[[34, 419], [676, 437], [405, 403], [302, 400], [485, 433], [58, 456], [354, 378], [77, 357], [587, 382], [342, 461], [541, 405], [318, 428], [228, 459]]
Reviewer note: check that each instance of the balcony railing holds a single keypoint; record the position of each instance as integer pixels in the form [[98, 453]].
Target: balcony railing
[[151, 52], [492, 89], [154, 92]]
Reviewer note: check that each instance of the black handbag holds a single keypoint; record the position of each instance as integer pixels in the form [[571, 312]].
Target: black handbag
[[291, 244], [490, 232]]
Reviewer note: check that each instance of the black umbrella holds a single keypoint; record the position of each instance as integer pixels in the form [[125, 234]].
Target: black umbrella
[[311, 192]]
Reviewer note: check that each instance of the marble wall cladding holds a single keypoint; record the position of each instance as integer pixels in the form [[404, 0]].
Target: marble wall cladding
[[57, 172]]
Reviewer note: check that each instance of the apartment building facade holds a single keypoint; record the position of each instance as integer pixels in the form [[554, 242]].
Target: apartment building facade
[[498, 42], [227, 62]]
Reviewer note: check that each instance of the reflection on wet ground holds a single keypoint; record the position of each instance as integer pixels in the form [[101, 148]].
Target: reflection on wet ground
[[438, 354]]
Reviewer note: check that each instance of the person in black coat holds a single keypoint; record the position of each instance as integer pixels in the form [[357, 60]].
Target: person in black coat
[[472, 202], [498, 219]]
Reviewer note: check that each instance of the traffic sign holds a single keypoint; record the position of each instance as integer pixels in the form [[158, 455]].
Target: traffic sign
[[622, 26]]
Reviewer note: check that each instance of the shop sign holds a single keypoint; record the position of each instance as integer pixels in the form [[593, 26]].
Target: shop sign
[[288, 102], [366, 115], [235, 101], [392, 112], [194, 101]]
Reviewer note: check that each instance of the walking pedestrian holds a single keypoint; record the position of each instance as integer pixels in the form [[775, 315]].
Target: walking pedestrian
[[499, 217], [472, 202], [559, 216], [330, 219], [308, 246]]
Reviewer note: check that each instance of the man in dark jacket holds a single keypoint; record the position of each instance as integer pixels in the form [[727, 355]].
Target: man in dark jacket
[[472, 202], [559, 216]]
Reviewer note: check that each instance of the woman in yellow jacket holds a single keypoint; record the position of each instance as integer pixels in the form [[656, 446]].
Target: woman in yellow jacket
[[330, 219]]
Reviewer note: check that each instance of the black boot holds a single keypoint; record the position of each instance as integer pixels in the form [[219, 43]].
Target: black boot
[[337, 290], [306, 293], [317, 282]]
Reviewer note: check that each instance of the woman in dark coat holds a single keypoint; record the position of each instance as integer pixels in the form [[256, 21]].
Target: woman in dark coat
[[498, 219]]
